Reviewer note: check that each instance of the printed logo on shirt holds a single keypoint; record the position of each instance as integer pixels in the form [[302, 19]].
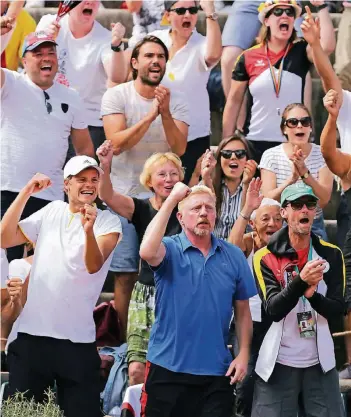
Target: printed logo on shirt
[[259, 63], [64, 107]]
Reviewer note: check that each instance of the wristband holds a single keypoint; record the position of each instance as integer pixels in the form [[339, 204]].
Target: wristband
[[118, 48], [323, 6], [247, 218]]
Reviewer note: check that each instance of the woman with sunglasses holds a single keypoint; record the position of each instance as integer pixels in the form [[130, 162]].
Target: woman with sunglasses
[[233, 171], [274, 72], [191, 58], [297, 160]]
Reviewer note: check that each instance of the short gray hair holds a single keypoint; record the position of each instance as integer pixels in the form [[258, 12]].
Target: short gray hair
[[265, 202]]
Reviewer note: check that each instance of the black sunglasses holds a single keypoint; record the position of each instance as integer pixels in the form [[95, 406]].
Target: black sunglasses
[[278, 11], [182, 10], [239, 153], [293, 122], [47, 103], [298, 204]]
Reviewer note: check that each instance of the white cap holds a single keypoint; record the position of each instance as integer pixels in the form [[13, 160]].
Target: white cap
[[78, 163], [265, 202]]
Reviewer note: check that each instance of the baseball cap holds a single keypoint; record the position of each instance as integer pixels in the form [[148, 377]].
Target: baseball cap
[[34, 39], [295, 191], [78, 163]]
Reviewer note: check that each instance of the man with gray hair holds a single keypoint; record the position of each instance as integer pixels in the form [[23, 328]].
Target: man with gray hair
[[263, 215], [197, 277]]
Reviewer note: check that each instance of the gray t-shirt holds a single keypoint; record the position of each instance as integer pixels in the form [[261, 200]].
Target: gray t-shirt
[[126, 167]]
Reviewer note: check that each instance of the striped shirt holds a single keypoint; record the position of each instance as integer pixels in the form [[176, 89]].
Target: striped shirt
[[277, 161], [230, 209]]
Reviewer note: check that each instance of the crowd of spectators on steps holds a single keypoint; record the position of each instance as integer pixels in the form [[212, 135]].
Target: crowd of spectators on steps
[[228, 288]]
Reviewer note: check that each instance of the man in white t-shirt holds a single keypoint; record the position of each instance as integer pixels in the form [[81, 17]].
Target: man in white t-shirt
[[37, 116], [88, 54], [140, 118], [56, 331]]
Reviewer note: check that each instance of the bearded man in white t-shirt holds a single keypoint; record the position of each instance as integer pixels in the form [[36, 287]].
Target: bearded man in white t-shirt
[[88, 55], [140, 117], [37, 117], [56, 331]]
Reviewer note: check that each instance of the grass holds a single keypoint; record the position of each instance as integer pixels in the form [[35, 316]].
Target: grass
[[19, 406]]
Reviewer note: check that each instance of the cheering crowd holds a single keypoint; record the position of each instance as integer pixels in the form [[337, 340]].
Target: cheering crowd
[[106, 165]]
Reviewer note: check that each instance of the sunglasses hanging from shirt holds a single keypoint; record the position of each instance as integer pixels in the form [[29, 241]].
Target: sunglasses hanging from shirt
[[65, 7]]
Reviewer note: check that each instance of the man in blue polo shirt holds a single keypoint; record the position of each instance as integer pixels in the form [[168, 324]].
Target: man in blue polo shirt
[[198, 278]]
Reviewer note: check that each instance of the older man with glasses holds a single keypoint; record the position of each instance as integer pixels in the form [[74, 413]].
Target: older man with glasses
[[301, 282], [38, 115]]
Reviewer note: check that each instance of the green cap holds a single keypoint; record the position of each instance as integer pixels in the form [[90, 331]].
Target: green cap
[[295, 191]]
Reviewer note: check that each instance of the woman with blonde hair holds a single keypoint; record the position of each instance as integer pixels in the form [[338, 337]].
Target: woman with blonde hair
[[160, 173], [274, 72]]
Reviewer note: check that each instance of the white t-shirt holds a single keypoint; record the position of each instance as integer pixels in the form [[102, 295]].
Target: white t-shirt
[[276, 160], [61, 293], [81, 62], [4, 268], [296, 351], [31, 139], [188, 72], [126, 167], [344, 122]]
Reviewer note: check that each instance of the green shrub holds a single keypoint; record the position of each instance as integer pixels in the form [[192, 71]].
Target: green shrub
[[20, 406]]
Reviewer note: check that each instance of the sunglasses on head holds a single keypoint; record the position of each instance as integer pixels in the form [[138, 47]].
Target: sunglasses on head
[[278, 11], [47, 103], [293, 122], [298, 204], [239, 153], [182, 10]]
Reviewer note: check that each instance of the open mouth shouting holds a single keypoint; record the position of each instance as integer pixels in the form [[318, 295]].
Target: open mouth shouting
[[87, 11], [284, 28], [88, 193], [304, 220], [46, 69], [233, 165], [155, 69], [186, 25]]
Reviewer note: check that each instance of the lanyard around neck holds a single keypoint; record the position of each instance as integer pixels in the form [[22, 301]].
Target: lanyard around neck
[[277, 81], [310, 254]]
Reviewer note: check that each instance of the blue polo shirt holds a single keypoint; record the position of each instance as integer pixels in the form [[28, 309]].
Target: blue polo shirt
[[194, 298]]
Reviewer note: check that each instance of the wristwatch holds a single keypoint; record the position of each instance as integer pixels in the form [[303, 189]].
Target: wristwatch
[[212, 16], [118, 48], [305, 175]]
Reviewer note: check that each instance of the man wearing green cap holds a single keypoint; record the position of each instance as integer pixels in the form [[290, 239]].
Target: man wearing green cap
[[301, 282]]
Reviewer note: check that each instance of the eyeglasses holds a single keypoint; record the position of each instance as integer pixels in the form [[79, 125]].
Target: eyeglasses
[[47, 103], [278, 11], [293, 122], [298, 205], [182, 10], [239, 153]]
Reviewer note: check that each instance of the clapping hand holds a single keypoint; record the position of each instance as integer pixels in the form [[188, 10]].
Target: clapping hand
[[249, 171], [253, 197], [208, 164], [298, 159]]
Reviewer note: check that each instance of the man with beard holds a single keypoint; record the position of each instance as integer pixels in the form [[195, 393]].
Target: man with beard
[[301, 281], [198, 278], [140, 118]]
